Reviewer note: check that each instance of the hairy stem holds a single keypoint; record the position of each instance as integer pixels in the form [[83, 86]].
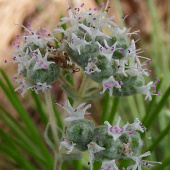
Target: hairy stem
[[52, 121], [57, 163], [83, 87]]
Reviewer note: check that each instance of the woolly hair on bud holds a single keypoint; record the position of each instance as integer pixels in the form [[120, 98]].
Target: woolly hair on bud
[[42, 75], [81, 133], [113, 149]]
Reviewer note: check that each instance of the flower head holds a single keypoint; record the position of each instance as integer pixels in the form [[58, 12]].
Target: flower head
[[33, 55]]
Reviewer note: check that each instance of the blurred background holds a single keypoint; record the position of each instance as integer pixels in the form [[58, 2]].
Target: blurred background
[[151, 17]]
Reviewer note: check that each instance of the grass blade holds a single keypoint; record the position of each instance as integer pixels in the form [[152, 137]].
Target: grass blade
[[113, 110], [158, 109], [105, 108], [160, 138]]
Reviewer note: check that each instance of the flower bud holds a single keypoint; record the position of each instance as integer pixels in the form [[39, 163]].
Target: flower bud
[[44, 75], [113, 149], [80, 132]]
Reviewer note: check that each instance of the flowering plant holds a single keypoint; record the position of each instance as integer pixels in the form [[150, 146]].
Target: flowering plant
[[106, 54]]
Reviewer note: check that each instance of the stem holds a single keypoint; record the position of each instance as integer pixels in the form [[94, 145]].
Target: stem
[[57, 163], [52, 121], [83, 86]]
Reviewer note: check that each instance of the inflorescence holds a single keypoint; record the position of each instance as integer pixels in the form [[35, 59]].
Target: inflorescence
[[105, 143]]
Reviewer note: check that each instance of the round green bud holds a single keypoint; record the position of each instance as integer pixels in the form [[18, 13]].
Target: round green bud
[[107, 69], [80, 132], [42, 75], [113, 149], [134, 140], [129, 85]]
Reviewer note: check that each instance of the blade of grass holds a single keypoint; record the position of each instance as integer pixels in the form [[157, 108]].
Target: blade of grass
[[57, 115], [105, 108], [16, 103], [39, 108], [165, 163], [22, 139], [77, 165], [13, 150], [160, 138], [158, 109], [111, 116]]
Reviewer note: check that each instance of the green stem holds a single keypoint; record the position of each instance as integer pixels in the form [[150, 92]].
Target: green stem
[[83, 87], [57, 163], [52, 121]]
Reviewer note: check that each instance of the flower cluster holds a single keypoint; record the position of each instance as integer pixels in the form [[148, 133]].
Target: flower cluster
[[108, 57], [33, 54], [105, 143]]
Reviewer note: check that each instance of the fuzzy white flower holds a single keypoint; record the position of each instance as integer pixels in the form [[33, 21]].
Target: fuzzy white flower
[[93, 148], [25, 84], [91, 67], [140, 162], [75, 114], [93, 31], [121, 66], [77, 43], [109, 84], [41, 62], [38, 37], [107, 51], [41, 87], [137, 125], [68, 145], [146, 90], [109, 165], [116, 131]]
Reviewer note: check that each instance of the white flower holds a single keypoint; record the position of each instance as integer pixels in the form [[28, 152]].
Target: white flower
[[137, 125], [140, 162], [116, 131], [26, 84], [68, 145], [91, 67], [41, 62], [107, 51], [146, 90], [93, 148], [77, 43], [40, 37], [109, 165], [93, 31], [75, 114], [109, 84], [41, 86], [121, 66]]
